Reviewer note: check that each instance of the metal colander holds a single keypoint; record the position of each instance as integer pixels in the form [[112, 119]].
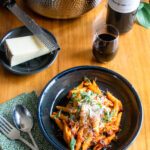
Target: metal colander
[[61, 9]]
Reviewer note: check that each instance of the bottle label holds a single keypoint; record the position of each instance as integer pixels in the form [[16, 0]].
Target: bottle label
[[124, 6]]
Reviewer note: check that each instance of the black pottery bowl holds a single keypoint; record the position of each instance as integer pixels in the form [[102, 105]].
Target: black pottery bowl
[[55, 94]]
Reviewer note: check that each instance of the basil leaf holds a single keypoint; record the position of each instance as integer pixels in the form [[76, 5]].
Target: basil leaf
[[55, 117], [105, 120], [72, 116], [85, 98], [72, 143], [114, 138], [120, 130], [73, 96], [89, 113], [107, 116], [85, 137], [78, 111], [143, 15], [99, 104], [112, 113], [140, 6], [60, 112]]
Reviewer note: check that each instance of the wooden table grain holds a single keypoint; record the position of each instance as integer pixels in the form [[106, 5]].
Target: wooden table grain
[[75, 38]]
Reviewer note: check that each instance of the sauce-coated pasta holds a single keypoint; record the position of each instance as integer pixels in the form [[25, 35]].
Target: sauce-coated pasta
[[91, 119]]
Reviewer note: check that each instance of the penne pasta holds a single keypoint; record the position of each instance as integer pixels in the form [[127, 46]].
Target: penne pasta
[[60, 116], [79, 139], [88, 141], [75, 129], [90, 119], [108, 139], [95, 125], [97, 88], [66, 133], [113, 99], [117, 123], [66, 109], [59, 124], [97, 139], [98, 146]]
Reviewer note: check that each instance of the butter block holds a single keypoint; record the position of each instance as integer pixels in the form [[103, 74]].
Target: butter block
[[22, 49]]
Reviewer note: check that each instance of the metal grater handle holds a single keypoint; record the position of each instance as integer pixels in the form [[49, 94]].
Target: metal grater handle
[[5, 3]]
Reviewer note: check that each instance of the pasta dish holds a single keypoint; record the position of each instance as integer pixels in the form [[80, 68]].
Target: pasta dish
[[90, 119]]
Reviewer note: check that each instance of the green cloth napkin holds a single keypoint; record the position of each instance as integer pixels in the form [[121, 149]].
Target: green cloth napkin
[[30, 101]]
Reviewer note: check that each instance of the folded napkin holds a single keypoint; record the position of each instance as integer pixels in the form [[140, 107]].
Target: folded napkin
[[30, 101]]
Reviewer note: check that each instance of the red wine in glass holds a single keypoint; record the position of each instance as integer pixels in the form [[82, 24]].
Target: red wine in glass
[[105, 45]]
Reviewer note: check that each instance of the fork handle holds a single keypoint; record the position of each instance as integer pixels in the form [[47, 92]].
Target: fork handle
[[27, 143]]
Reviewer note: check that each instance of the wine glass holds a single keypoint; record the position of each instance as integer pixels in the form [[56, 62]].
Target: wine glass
[[105, 44]]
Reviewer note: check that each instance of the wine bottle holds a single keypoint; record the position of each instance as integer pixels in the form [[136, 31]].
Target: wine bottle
[[122, 13]]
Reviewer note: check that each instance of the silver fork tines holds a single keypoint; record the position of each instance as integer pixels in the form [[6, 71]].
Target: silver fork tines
[[7, 129], [5, 123], [3, 130], [12, 133]]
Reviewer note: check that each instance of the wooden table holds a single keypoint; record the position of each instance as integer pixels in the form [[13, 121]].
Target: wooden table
[[75, 38]]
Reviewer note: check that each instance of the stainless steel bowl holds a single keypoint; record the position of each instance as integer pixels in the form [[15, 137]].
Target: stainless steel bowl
[[61, 9]]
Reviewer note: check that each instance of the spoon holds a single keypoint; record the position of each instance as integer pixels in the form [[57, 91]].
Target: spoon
[[23, 121]]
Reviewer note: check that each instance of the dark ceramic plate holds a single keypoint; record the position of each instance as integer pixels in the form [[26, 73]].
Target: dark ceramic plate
[[29, 67], [55, 94]]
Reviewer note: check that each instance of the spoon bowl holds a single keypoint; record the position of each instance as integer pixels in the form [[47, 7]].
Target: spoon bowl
[[23, 120]]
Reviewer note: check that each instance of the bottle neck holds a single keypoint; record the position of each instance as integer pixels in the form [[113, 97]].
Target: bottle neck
[[124, 6]]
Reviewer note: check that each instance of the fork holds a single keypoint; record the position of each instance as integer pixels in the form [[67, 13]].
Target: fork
[[12, 133]]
